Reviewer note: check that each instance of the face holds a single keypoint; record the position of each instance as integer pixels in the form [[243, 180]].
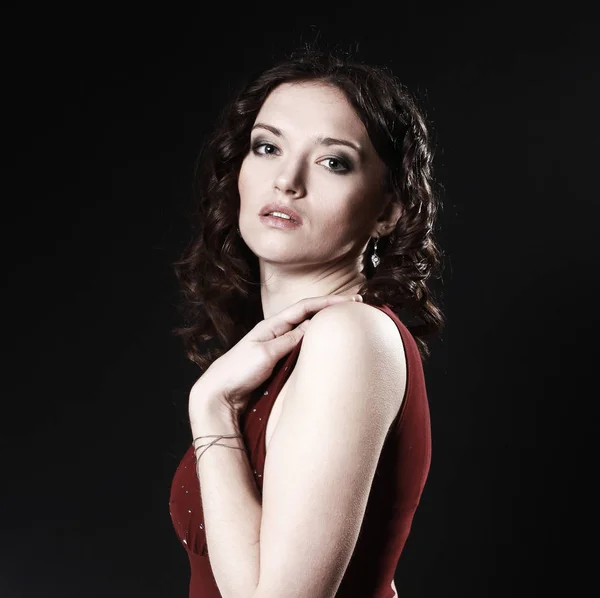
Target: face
[[310, 152]]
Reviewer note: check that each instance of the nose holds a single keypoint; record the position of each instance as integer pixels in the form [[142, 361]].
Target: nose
[[290, 179]]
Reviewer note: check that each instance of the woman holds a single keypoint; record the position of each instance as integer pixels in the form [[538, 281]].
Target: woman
[[316, 188]]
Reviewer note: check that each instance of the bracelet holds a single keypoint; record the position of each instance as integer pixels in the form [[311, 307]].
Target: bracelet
[[216, 437]]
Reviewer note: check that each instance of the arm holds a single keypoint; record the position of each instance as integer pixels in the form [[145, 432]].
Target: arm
[[231, 506], [348, 386], [230, 497]]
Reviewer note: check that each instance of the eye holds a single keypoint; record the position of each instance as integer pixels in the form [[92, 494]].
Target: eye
[[335, 164], [263, 148]]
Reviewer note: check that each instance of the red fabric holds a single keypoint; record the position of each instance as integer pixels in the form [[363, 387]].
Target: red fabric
[[395, 493]]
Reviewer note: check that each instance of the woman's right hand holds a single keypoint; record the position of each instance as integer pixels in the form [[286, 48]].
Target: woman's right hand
[[230, 379]]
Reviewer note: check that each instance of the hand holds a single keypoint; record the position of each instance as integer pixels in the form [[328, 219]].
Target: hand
[[231, 378]]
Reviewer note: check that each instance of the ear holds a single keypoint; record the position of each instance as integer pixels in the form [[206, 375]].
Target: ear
[[390, 215]]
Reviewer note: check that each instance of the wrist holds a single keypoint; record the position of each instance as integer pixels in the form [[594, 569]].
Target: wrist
[[207, 399], [213, 417]]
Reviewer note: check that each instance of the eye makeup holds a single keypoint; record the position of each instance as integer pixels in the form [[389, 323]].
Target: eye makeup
[[344, 161]]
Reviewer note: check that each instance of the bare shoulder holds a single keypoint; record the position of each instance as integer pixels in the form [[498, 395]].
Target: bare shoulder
[[359, 321], [357, 340]]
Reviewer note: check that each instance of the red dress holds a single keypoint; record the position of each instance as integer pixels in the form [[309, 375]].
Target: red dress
[[395, 493]]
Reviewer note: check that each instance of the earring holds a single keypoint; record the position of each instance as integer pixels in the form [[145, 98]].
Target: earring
[[238, 231], [375, 258]]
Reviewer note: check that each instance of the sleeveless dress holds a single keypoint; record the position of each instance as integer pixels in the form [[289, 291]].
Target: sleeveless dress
[[395, 493]]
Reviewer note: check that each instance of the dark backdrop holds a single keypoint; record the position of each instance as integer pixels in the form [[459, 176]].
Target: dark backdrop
[[103, 114]]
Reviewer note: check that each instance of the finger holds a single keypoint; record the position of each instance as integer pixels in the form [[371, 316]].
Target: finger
[[304, 325], [282, 345], [306, 308], [288, 318]]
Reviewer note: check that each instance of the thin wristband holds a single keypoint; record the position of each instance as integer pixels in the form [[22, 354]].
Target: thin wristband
[[211, 444], [217, 436]]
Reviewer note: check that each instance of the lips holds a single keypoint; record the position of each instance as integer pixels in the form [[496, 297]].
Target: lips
[[275, 207]]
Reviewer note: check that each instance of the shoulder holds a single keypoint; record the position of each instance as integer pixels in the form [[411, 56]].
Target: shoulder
[[356, 341], [358, 321]]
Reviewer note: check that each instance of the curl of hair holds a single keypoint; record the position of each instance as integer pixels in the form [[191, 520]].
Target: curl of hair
[[218, 275]]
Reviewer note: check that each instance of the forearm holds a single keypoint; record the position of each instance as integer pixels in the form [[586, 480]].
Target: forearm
[[231, 506]]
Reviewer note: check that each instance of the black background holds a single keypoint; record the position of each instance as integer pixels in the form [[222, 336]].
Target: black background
[[103, 114]]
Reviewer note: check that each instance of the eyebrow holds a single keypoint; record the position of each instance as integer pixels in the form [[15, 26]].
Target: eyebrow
[[322, 140]]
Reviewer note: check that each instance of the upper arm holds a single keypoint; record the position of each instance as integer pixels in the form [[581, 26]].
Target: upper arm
[[348, 384]]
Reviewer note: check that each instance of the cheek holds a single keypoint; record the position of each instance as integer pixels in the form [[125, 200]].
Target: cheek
[[365, 200], [353, 199], [252, 179], [243, 183], [339, 224]]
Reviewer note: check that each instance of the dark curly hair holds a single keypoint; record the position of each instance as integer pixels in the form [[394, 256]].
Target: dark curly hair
[[219, 275]]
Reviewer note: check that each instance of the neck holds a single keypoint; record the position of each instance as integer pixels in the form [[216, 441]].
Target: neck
[[280, 289]]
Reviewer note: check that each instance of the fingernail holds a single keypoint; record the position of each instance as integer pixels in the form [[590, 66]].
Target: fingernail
[[357, 298]]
